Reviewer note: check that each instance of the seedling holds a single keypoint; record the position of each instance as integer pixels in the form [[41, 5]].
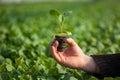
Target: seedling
[[60, 36]]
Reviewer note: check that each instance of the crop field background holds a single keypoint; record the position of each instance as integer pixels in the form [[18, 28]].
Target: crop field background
[[26, 31]]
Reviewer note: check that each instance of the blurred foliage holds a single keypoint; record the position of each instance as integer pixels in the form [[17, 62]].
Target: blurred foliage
[[27, 29]]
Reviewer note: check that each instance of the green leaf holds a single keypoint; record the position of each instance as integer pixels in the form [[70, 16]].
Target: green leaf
[[67, 13], [69, 33], [55, 12], [73, 78], [61, 18], [9, 67]]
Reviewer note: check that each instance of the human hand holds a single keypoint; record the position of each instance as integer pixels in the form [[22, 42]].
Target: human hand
[[73, 56]]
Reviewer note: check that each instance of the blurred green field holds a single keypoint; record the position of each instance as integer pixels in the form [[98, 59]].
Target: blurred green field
[[27, 29]]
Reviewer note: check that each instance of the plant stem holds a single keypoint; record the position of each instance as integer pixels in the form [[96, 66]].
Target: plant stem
[[61, 25]]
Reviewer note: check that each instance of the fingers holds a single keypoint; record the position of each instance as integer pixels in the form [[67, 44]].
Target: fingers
[[58, 55], [71, 42]]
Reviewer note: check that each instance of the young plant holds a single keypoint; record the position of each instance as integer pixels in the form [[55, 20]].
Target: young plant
[[61, 37], [61, 17]]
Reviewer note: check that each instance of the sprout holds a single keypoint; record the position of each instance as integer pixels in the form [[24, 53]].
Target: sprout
[[60, 17]]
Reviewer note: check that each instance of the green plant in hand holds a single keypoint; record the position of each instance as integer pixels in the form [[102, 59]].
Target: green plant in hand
[[61, 37]]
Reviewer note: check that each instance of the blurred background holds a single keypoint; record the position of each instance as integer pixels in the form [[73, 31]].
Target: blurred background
[[27, 28], [21, 1]]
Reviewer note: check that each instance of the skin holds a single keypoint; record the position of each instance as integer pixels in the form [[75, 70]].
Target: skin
[[73, 57]]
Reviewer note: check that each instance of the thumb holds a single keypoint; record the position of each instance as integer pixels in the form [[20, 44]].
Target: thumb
[[71, 42]]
